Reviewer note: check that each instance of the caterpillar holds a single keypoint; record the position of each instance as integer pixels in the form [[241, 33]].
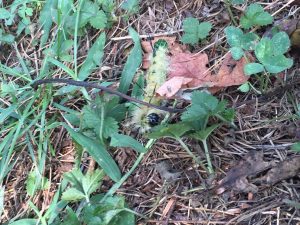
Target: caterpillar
[[143, 117]]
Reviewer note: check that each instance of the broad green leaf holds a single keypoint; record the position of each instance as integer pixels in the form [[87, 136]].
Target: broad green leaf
[[7, 38], [94, 58], [236, 53], [253, 68], [99, 154], [204, 29], [264, 49], [234, 36], [296, 147], [91, 181], [203, 105], [281, 43], [88, 10], [7, 112], [110, 127], [132, 64], [4, 14], [193, 31], [120, 140], [99, 21], [277, 64], [132, 6], [244, 87], [249, 41], [72, 194], [170, 130], [255, 15], [203, 134]]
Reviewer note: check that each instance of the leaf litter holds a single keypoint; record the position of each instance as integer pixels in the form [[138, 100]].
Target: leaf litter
[[190, 71], [241, 177]]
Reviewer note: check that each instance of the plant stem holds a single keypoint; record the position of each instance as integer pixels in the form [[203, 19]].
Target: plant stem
[[191, 154], [227, 5], [209, 164], [117, 185]]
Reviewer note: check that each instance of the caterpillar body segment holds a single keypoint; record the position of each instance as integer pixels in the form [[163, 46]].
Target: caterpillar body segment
[[143, 117]]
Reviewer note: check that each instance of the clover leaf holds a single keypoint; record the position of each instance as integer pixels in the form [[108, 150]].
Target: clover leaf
[[239, 41], [194, 31], [269, 53], [255, 15]]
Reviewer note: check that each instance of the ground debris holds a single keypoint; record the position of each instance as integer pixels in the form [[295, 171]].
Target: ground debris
[[240, 178]]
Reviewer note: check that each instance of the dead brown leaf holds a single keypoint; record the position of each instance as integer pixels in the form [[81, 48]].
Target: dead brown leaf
[[237, 177]]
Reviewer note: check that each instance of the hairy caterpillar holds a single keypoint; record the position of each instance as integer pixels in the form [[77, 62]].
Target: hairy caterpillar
[[144, 118]]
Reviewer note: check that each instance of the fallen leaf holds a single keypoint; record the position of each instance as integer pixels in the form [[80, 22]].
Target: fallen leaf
[[288, 168], [165, 171], [172, 86], [231, 72], [236, 179]]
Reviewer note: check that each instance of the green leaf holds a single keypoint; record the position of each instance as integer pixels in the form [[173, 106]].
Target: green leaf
[[203, 105], [4, 14], [202, 135], [244, 87], [92, 181], [255, 15], [45, 19], [249, 41], [276, 64], [193, 31], [99, 154], [237, 1], [281, 43], [296, 147], [234, 36], [36, 182], [294, 204], [170, 130], [120, 140], [72, 194], [132, 6], [99, 21], [7, 38], [70, 218], [110, 127], [94, 58], [236, 53], [25, 222], [132, 64], [253, 68]]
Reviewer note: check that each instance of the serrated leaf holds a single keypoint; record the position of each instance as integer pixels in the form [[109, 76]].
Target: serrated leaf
[[110, 127], [264, 49], [234, 36], [277, 64], [255, 15], [7, 38], [203, 105], [281, 43], [131, 6], [99, 154], [91, 181], [120, 140], [99, 21], [94, 58], [72, 194], [249, 41], [236, 53], [132, 64], [253, 68], [193, 31], [25, 222]]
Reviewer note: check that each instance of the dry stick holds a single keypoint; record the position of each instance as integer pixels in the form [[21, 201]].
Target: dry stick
[[106, 89]]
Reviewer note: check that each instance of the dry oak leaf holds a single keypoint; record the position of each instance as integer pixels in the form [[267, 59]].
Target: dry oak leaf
[[231, 72], [190, 70], [173, 46]]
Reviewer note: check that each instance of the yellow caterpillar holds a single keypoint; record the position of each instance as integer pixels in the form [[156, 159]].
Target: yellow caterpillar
[[143, 117]]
